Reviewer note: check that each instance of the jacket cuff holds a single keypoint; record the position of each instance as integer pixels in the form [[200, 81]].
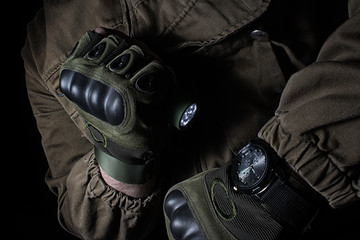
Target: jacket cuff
[[311, 163], [131, 190], [98, 188], [91, 209]]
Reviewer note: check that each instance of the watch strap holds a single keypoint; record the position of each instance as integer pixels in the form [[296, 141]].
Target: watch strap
[[289, 207]]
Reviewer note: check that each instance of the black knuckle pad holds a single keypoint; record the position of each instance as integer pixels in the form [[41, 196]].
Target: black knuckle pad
[[173, 201], [128, 61], [106, 77], [147, 83], [85, 44], [183, 225], [93, 97], [120, 62], [97, 51], [154, 78], [107, 49]]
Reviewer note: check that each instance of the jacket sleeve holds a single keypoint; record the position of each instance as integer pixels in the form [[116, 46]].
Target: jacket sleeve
[[316, 127], [87, 206]]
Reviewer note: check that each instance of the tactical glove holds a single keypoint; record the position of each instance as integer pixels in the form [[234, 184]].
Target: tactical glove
[[210, 205], [119, 89]]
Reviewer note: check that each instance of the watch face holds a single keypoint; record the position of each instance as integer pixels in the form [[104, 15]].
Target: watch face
[[249, 167]]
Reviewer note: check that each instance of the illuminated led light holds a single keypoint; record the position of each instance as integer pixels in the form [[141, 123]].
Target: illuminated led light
[[188, 115]]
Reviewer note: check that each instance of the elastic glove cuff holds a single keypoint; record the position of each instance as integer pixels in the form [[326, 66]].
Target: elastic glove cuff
[[123, 171]]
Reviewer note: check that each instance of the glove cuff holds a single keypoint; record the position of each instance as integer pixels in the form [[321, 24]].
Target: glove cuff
[[125, 172]]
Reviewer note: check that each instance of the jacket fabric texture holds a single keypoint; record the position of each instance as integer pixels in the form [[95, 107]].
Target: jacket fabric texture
[[285, 71]]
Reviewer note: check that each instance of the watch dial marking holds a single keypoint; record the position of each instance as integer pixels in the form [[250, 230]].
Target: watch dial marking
[[251, 166]]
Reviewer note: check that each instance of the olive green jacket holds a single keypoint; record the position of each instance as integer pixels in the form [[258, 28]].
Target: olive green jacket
[[286, 71]]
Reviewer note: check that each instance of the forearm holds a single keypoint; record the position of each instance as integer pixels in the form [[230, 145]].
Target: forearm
[[87, 206], [316, 127], [91, 209], [132, 190], [84, 196]]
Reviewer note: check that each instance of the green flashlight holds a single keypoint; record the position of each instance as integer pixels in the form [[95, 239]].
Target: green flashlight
[[183, 111]]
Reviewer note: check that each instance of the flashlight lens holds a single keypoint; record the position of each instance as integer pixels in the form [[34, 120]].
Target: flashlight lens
[[188, 115]]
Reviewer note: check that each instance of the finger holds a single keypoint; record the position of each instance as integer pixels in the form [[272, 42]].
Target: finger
[[102, 31]]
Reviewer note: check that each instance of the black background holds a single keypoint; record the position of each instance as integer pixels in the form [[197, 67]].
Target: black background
[[30, 208]]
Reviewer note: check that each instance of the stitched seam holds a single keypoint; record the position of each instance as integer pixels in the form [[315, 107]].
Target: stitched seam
[[180, 17], [62, 59], [228, 30], [55, 69], [237, 24], [117, 24], [326, 154], [247, 5], [195, 214], [133, 12], [326, 158]]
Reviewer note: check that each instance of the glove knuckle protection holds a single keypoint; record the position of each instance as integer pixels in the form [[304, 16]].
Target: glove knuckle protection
[[110, 80]]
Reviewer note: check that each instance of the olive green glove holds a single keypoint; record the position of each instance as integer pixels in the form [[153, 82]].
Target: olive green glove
[[256, 197], [206, 207], [120, 90]]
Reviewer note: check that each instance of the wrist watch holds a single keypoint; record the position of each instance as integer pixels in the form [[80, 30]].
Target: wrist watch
[[258, 171]]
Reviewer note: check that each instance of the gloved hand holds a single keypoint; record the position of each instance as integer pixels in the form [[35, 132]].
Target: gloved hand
[[205, 207], [272, 200], [120, 90]]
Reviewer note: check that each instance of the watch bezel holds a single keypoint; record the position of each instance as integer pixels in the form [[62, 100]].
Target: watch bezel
[[266, 177]]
